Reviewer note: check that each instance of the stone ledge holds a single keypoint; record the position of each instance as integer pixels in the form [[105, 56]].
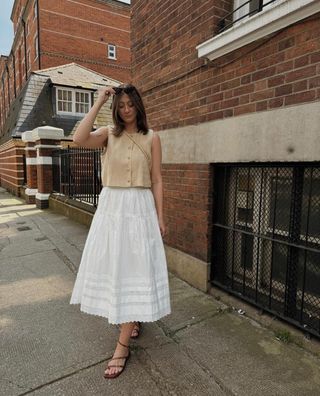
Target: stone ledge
[[188, 268], [75, 210]]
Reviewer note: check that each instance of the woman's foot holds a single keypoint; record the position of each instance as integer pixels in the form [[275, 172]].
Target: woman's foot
[[119, 359], [135, 331]]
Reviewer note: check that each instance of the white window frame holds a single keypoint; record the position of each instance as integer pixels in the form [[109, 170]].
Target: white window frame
[[112, 51], [272, 18], [73, 100]]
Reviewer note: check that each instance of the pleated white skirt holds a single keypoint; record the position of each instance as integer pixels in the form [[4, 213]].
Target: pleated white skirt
[[123, 272]]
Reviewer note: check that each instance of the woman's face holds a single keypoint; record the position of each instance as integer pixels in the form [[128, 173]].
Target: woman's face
[[126, 109]]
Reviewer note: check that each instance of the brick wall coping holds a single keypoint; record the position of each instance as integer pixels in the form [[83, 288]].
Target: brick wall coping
[[31, 191], [12, 143], [46, 132]]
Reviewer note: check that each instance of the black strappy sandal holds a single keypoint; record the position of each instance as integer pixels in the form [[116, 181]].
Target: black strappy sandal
[[115, 365]]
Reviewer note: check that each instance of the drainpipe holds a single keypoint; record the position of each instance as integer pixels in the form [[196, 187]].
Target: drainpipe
[[25, 48], [14, 74], [38, 33], [8, 76], [4, 98]]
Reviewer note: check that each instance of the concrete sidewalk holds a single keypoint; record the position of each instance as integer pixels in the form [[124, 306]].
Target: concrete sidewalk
[[48, 347]]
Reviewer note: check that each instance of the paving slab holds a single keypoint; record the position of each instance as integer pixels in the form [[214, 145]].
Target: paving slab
[[244, 358]]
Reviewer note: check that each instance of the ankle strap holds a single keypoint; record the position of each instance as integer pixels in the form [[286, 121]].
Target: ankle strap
[[123, 344]]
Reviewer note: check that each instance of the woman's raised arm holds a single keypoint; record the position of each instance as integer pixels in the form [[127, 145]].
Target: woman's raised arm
[[84, 136]]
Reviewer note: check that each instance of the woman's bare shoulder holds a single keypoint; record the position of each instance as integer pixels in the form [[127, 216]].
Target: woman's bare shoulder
[[110, 129]]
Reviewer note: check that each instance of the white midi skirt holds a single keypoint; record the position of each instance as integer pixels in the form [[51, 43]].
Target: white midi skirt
[[123, 272]]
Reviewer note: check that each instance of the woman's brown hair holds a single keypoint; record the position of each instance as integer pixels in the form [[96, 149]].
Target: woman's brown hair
[[136, 99]]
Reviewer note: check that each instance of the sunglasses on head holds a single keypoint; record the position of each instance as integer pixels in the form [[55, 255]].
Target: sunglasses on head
[[119, 90]]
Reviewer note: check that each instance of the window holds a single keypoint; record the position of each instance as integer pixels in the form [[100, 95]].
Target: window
[[266, 236], [72, 102], [82, 102], [36, 46], [111, 51], [64, 101]]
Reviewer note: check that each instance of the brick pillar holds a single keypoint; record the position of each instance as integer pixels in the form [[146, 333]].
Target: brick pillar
[[31, 165], [46, 140]]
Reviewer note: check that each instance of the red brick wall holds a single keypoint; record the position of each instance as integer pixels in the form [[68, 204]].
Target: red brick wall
[[80, 33], [11, 165], [181, 89], [187, 205]]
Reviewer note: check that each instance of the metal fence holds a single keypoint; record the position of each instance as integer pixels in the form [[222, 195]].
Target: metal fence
[[77, 173], [266, 238], [242, 10]]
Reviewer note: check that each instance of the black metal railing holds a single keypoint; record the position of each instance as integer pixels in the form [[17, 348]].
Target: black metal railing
[[266, 238], [77, 173], [245, 10]]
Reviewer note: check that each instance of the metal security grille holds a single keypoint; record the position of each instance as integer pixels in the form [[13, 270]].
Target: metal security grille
[[266, 238]]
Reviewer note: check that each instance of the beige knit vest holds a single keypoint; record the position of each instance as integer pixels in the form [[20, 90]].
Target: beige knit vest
[[126, 161]]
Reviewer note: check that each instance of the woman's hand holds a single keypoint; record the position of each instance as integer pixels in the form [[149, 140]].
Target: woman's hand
[[104, 94], [162, 227]]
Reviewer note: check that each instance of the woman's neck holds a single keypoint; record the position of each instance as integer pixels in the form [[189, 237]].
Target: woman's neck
[[131, 128]]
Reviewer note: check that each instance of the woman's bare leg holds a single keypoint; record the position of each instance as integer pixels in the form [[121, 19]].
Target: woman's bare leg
[[124, 338], [134, 330]]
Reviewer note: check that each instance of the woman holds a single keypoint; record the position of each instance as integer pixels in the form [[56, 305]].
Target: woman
[[123, 272]]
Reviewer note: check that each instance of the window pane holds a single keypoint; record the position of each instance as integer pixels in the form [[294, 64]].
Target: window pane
[[59, 94], [280, 203], [111, 51], [311, 205], [77, 108]]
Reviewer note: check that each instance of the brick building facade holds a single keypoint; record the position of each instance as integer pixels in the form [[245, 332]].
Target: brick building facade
[[91, 33], [235, 96]]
